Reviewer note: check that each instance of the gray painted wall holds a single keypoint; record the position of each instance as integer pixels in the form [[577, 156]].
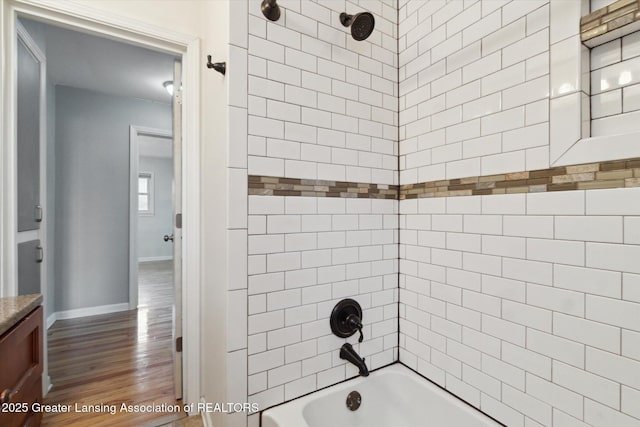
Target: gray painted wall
[[152, 228], [92, 189]]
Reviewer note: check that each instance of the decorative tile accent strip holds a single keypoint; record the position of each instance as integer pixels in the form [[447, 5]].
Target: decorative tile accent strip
[[613, 174], [278, 186], [615, 20]]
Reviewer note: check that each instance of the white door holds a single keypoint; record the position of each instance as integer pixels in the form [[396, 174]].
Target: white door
[[177, 227]]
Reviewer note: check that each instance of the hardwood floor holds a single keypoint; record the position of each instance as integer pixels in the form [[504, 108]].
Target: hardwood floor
[[117, 358]]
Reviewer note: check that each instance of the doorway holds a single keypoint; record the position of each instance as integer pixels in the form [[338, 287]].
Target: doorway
[[186, 45], [95, 90]]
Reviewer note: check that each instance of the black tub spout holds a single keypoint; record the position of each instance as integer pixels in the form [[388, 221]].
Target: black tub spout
[[349, 354]]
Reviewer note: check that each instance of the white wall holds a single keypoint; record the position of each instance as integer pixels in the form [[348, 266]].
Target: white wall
[[524, 305], [151, 228], [92, 189]]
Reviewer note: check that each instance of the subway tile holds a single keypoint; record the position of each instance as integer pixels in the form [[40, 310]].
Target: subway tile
[[529, 271], [615, 76], [557, 348], [501, 121], [606, 104], [622, 201], [588, 280], [504, 330], [525, 93], [587, 384], [630, 98], [556, 251], [502, 412], [526, 48], [630, 46], [559, 397], [560, 300], [631, 344], [595, 412], [503, 246], [613, 257], [559, 203], [526, 315], [283, 374], [504, 288], [613, 312], [616, 124], [631, 287], [504, 36], [589, 228], [504, 372], [264, 361], [526, 360], [527, 404], [482, 28], [612, 366]]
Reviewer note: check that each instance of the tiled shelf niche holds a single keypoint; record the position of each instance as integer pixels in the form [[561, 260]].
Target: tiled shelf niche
[[615, 86], [580, 59], [611, 31]]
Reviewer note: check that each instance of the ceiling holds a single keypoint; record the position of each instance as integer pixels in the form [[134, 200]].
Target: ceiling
[[88, 62]]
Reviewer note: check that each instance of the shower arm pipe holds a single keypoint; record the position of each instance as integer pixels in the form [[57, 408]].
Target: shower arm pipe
[[270, 10]]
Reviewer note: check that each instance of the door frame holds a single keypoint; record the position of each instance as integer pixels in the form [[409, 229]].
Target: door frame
[[134, 169], [85, 18]]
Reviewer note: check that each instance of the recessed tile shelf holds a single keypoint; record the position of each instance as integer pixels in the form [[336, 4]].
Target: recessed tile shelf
[[610, 22]]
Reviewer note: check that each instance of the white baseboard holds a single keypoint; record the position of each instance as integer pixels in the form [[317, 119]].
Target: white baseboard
[[51, 319], [47, 384], [206, 416], [155, 258], [88, 311]]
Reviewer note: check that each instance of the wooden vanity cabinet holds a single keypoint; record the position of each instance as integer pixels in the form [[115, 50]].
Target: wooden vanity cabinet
[[21, 371]]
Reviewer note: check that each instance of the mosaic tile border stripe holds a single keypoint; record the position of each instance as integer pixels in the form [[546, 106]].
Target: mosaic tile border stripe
[[609, 22], [612, 174], [279, 186]]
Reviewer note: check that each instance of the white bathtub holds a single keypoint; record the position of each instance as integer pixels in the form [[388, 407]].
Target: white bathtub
[[391, 397]]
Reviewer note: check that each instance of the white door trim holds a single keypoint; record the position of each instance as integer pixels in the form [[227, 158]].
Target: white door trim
[[134, 133], [83, 17]]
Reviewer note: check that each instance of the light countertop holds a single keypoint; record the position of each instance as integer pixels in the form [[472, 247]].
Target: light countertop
[[13, 309]]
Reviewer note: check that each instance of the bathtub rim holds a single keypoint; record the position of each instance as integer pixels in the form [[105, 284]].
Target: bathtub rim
[[375, 370]]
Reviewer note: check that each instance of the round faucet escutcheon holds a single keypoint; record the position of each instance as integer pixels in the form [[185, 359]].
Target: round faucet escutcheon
[[346, 319]]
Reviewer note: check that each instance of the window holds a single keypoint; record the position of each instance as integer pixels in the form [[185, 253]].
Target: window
[[145, 193]]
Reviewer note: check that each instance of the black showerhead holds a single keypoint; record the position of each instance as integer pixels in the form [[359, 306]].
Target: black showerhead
[[361, 24]]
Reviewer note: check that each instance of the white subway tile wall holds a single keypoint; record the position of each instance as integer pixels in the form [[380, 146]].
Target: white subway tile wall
[[525, 305], [615, 86], [321, 105], [305, 255], [474, 88], [516, 299]]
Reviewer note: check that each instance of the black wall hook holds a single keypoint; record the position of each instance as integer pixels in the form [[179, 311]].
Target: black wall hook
[[220, 67]]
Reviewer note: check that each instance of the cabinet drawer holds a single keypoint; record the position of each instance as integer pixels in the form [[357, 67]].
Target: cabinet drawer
[[21, 368]]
